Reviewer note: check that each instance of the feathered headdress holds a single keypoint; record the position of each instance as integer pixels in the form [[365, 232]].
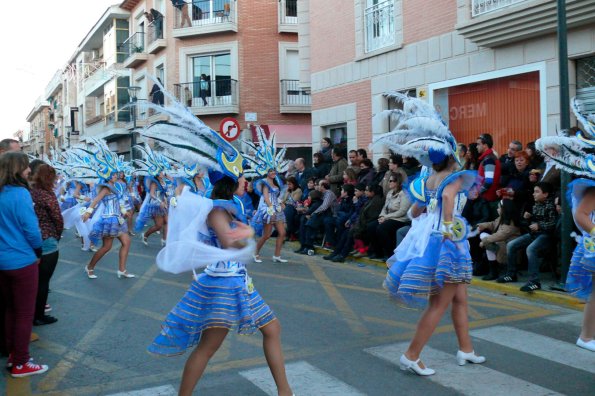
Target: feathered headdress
[[573, 154], [265, 157], [97, 162], [420, 132], [152, 163], [192, 142]]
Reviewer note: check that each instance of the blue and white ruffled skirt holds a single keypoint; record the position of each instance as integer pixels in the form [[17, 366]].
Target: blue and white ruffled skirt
[[107, 227], [412, 281], [221, 302], [579, 281]]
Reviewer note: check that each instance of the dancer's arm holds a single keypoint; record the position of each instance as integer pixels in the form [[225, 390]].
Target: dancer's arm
[[584, 210], [89, 212], [228, 237]]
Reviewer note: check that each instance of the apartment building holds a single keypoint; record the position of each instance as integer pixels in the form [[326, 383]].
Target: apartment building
[[224, 58], [40, 138], [487, 66]]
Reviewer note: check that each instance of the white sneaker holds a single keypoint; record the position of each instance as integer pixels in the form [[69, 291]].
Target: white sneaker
[[278, 259], [464, 357], [414, 366], [589, 345]]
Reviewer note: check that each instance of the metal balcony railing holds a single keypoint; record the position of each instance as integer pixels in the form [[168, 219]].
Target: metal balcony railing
[[195, 13], [219, 92], [289, 12], [293, 95], [380, 25], [154, 31], [480, 7], [134, 44]]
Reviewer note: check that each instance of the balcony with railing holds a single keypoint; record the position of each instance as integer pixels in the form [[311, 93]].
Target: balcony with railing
[[379, 22], [155, 40], [288, 19], [294, 99], [134, 46], [200, 17], [494, 23], [218, 96]]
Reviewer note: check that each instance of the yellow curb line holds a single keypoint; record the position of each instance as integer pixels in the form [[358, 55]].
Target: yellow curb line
[[565, 300]]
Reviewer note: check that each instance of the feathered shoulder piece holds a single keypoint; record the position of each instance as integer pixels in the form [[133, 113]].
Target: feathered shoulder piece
[[190, 141], [97, 162], [420, 132], [264, 156]]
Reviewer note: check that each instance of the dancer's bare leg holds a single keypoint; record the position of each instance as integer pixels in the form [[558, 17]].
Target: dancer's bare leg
[[280, 237], [124, 249], [156, 227], [429, 320], [210, 341], [266, 234], [107, 246], [460, 318], [271, 343]]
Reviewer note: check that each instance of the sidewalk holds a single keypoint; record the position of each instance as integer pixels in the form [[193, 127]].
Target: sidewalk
[[507, 289]]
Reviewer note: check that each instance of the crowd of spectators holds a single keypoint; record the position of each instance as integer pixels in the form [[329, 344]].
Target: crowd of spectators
[[351, 207]]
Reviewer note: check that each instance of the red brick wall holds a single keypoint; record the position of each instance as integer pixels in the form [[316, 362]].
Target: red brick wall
[[332, 32], [423, 19], [360, 93]]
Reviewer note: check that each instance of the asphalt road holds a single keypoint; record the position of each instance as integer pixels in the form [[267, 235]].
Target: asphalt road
[[341, 336]]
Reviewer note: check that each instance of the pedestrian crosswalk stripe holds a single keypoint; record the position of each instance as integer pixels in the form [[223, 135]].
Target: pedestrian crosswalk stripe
[[471, 379], [540, 346], [304, 379], [573, 319], [166, 390]]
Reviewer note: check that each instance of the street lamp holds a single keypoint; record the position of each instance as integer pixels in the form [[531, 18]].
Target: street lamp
[[132, 93]]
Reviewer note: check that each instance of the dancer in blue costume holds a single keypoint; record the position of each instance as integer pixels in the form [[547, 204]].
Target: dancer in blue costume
[[267, 162], [573, 154], [153, 166], [111, 222], [207, 233], [432, 266]]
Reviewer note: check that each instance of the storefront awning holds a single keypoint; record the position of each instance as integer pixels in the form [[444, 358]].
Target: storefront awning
[[288, 135]]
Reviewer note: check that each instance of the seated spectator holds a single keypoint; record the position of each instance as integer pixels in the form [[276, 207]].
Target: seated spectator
[[507, 160], [311, 185], [335, 225], [515, 185], [535, 159], [368, 213], [538, 241], [302, 174], [291, 197], [354, 161], [412, 167], [366, 173], [462, 154], [335, 175], [496, 234], [472, 157], [382, 233], [321, 168], [313, 221], [381, 171], [395, 164], [349, 177]]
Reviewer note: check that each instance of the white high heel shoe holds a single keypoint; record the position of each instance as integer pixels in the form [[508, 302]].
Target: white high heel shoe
[[125, 274], [589, 345], [278, 259], [464, 357], [90, 273], [144, 239], [257, 258], [414, 366]]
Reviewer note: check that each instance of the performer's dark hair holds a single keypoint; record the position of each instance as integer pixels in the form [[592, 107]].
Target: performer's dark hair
[[224, 188]]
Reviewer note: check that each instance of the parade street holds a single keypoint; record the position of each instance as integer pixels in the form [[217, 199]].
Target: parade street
[[341, 336]]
